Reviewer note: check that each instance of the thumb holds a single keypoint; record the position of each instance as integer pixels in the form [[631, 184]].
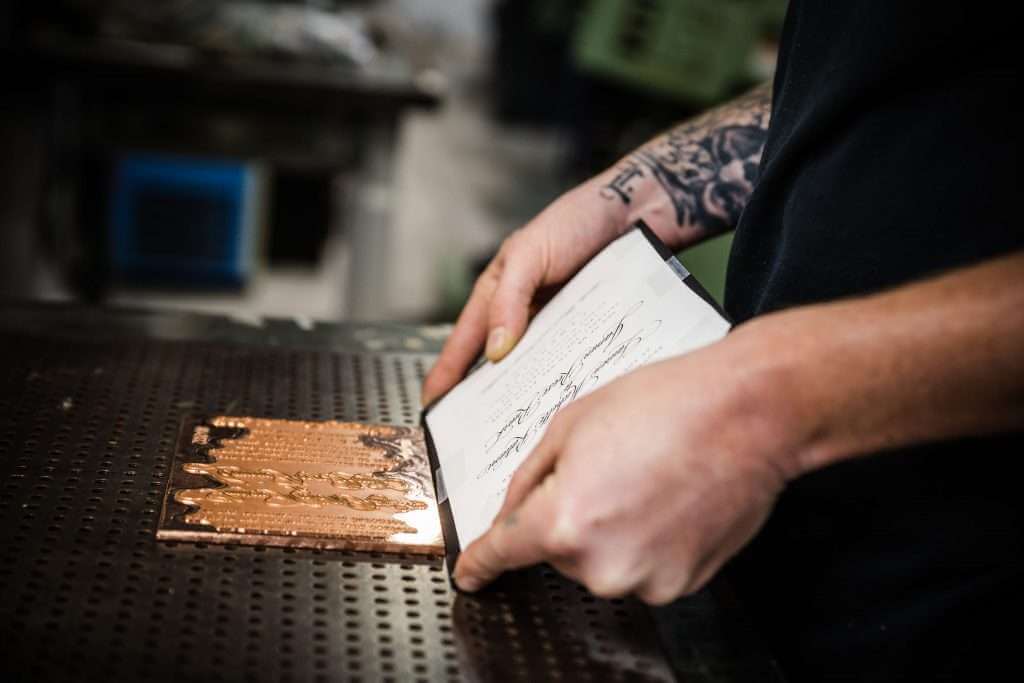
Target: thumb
[[510, 306]]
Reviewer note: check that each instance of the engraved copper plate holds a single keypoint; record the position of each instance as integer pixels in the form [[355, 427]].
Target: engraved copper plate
[[336, 485]]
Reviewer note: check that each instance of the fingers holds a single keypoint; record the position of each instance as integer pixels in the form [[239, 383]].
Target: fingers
[[538, 465], [520, 539], [465, 342], [662, 588], [497, 312], [509, 312]]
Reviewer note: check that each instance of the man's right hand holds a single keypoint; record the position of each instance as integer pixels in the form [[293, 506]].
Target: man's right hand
[[531, 262]]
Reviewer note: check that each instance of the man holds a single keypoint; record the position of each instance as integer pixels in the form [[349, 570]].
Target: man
[[848, 445]]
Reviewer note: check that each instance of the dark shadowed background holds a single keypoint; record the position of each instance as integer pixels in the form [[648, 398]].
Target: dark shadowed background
[[329, 160]]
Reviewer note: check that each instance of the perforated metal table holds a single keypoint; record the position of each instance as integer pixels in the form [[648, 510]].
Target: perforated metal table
[[90, 404]]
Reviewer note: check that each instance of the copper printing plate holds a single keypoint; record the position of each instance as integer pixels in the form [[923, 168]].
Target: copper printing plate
[[307, 484]]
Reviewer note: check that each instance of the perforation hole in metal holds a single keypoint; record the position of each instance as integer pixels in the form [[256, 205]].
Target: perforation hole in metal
[[87, 432]]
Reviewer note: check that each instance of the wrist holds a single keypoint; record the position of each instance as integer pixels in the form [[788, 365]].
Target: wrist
[[632, 191], [791, 399], [617, 214]]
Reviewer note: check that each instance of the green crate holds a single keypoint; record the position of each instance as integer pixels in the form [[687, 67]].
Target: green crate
[[691, 50]]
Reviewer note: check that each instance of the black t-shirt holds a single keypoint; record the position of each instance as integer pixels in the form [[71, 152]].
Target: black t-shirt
[[891, 157]]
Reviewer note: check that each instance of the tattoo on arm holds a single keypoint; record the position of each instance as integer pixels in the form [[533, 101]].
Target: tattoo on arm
[[706, 166]]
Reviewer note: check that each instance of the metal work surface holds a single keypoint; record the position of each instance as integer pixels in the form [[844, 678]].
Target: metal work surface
[[90, 407]]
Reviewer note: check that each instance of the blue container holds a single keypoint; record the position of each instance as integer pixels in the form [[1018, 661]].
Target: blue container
[[183, 221]]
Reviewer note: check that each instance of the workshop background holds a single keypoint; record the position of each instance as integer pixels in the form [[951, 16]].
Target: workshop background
[[330, 160]]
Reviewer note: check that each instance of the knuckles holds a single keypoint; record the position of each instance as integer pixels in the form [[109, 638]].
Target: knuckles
[[561, 424], [658, 596], [517, 485], [486, 283], [663, 590], [564, 538], [607, 584], [511, 244]]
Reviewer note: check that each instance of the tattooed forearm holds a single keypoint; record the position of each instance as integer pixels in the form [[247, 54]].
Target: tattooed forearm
[[705, 168]]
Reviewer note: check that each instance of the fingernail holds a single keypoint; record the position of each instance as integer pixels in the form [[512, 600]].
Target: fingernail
[[496, 342], [470, 584]]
